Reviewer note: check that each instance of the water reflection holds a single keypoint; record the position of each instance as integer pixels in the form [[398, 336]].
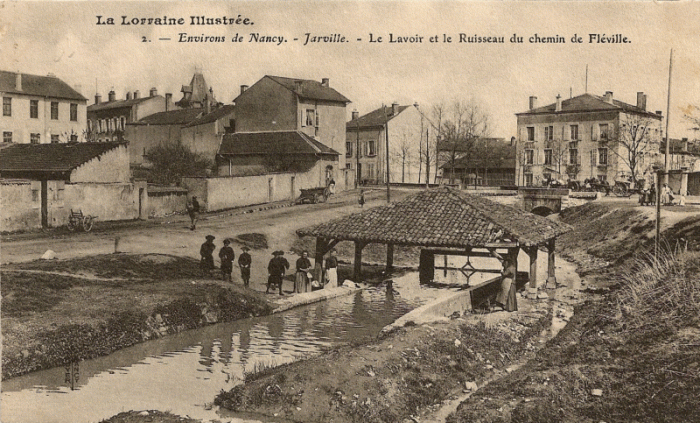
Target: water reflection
[[183, 372]]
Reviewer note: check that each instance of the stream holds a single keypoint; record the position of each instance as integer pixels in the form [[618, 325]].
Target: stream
[[182, 373]]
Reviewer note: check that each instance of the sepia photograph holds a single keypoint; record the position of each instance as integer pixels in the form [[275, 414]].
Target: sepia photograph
[[350, 211]]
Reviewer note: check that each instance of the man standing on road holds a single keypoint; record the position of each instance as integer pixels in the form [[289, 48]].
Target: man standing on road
[[244, 261], [332, 270], [193, 211], [207, 253], [226, 255], [276, 268]]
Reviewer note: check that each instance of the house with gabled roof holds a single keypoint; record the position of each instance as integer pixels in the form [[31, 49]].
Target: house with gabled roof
[[42, 183], [314, 108], [409, 136], [204, 134], [40, 110], [157, 129], [578, 138]]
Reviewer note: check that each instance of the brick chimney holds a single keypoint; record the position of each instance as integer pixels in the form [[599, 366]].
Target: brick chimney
[[325, 82], [128, 95], [533, 102], [355, 115], [394, 108], [298, 85], [243, 88], [111, 96], [136, 94], [98, 98], [168, 101], [641, 101], [207, 104], [557, 107], [608, 97], [18, 82], [153, 92]]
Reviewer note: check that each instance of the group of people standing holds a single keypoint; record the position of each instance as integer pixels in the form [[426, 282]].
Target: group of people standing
[[226, 255], [276, 268]]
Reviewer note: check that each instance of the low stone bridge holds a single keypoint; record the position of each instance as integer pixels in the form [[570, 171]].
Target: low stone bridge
[[543, 201]]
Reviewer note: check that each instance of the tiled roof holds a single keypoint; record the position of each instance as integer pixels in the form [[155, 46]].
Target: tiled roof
[[216, 114], [375, 118], [310, 89], [442, 217], [171, 117], [118, 104], [272, 143], [51, 157], [44, 86], [589, 103]]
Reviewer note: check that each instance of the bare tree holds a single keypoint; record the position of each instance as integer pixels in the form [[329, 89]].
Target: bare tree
[[403, 152], [632, 141], [460, 126]]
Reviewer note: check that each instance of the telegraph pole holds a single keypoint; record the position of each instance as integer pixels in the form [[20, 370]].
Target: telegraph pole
[[668, 118], [357, 153], [386, 132]]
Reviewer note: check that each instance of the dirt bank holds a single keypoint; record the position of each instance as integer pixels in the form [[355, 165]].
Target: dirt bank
[[631, 355], [60, 311]]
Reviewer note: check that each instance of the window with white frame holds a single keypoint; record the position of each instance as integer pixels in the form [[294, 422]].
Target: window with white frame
[[548, 156], [602, 156], [54, 110], [529, 156], [34, 109], [530, 133], [371, 148], [604, 128], [528, 179], [548, 133], [348, 149], [55, 139], [574, 132], [34, 138], [7, 136], [573, 156], [7, 106], [73, 112], [310, 117]]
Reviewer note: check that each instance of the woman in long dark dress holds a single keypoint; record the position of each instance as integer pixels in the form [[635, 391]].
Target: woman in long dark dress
[[506, 297], [301, 278]]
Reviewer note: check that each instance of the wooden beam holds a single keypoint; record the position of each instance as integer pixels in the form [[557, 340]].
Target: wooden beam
[[321, 249], [389, 256], [551, 276], [357, 264], [532, 252], [426, 268]]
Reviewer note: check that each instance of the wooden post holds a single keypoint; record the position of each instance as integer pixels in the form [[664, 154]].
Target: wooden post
[[551, 277], [426, 267], [532, 252], [389, 256], [357, 271], [321, 246]]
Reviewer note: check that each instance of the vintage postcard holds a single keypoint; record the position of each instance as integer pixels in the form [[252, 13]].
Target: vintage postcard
[[332, 211]]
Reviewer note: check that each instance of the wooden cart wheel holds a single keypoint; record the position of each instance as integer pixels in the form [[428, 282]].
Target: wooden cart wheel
[[87, 223], [619, 190]]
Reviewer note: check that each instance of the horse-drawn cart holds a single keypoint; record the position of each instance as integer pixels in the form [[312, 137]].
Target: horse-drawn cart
[[314, 195]]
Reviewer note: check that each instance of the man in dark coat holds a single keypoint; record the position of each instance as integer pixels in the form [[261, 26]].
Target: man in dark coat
[[193, 211], [276, 268], [207, 253], [244, 261], [226, 255]]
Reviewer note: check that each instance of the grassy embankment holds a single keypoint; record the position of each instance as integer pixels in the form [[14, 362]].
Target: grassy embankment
[[634, 354], [60, 311]]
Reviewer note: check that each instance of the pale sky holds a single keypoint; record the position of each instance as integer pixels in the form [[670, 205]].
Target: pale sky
[[62, 38]]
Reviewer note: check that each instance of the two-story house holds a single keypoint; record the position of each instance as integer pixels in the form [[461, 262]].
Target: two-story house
[[275, 104], [408, 140], [107, 120], [587, 136], [40, 110]]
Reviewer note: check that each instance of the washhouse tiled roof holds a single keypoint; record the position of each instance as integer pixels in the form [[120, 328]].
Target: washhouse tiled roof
[[60, 157], [442, 217], [272, 143]]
